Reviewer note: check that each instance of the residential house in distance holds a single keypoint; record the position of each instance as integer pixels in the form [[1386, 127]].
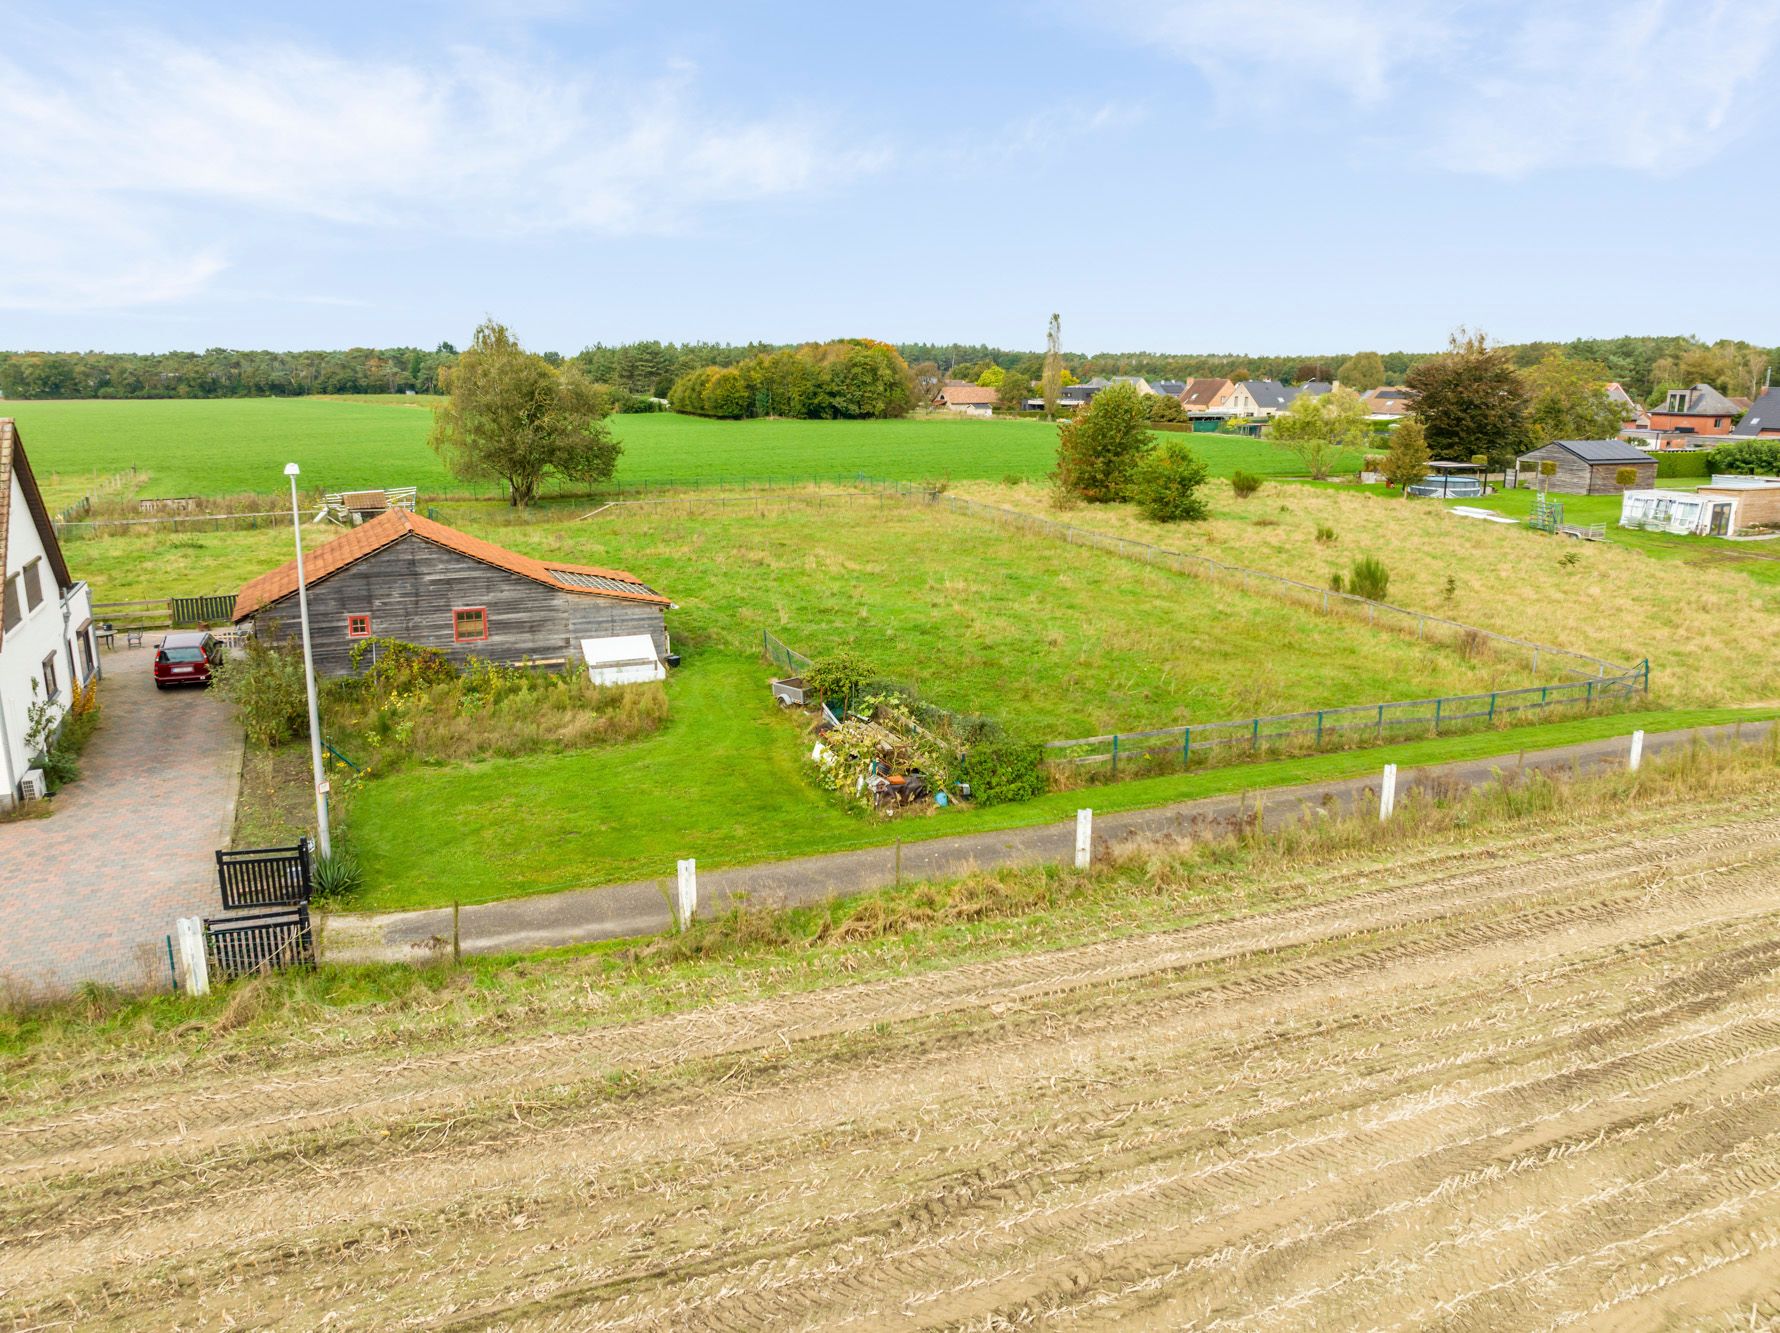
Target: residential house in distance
[[1387, 403], [1727, 506], [1589, 467], [1689, 413], [972, 400], [1169, 388], [1762, 420], [1259, 398], [47, 647], [1207, 395], [402, 576]]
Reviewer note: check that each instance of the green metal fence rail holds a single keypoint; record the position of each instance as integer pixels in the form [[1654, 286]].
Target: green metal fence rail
[[1340, 728]]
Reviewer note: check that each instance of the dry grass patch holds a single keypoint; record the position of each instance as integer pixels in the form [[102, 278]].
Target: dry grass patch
[[1699, 625]]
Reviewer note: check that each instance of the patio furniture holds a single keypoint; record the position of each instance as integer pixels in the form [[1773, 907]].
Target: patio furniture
[[133, 637], [106, 635]]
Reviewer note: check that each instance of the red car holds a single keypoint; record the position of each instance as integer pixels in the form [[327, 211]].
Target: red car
[[186, 657]]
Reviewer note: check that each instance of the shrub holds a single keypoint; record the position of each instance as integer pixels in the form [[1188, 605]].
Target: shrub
[[1098, 450], [1166, 484], [1164, 407], [1001, 770], [1369, 578], [264, 682], [1746, 457], [1626, 476], [838, 675], [1324, 533], [338, 876], [1686, 465], [1244, 484]]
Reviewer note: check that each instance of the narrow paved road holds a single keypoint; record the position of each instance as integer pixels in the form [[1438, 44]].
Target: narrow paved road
[[617, 911], [91, 893]]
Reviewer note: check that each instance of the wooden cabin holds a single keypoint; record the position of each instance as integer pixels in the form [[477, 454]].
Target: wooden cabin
[[1588, 467], [403, 576]]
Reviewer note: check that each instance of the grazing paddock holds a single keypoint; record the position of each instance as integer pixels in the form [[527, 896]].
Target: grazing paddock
[[225, 446], [1704, 627]]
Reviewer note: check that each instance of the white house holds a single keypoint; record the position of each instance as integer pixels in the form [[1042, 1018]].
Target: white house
[[46, 634]]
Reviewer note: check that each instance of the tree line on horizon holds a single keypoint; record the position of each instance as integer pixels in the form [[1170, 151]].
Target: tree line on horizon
[[1646, 366]]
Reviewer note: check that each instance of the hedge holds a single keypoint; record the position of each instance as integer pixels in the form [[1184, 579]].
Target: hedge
[[1684, 465]]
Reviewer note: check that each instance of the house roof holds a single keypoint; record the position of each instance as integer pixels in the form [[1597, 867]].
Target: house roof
[[13, 463], [1173, 388], [1763, 414], [1203, 392], [1269, 393], [393, 525], [968, 395], [1603, 451], [1704, 401], [1316, 388]]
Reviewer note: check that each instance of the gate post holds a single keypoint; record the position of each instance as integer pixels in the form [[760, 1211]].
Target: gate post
[[191, 952], [1387, 793], [1084, 839], [686, 901], [1637, 756]]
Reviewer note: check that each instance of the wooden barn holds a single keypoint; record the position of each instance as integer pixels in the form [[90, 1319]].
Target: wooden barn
[[403, 576], [1589, 467]]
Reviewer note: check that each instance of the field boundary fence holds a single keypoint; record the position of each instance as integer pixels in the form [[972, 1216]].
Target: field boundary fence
[[176, 612]]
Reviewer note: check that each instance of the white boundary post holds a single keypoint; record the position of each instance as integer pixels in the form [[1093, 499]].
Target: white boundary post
[[1084, 839], [1387, 793], [686, 902], [1637, 756], [190, 931]]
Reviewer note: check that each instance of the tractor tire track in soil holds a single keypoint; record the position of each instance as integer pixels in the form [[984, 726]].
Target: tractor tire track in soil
[[1539, 1087]]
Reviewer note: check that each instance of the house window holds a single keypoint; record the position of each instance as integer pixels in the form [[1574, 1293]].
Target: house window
[[469, 623], [14, 611], [358, 627], [33, 585], [51, 687]]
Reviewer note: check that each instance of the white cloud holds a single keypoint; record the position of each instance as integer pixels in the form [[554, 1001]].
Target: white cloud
[[1499, 88], [141, 128], [1276, 51], [1651, 87]]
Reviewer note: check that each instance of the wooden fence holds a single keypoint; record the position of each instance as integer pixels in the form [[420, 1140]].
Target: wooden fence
[[180, 612]]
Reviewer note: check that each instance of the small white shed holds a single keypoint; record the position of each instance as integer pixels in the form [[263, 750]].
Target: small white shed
[[623, 659]]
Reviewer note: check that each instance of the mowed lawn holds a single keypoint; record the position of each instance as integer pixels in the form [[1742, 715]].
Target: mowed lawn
[[240, 446]]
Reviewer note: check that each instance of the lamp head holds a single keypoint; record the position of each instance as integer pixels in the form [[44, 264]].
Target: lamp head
[[290, 469]]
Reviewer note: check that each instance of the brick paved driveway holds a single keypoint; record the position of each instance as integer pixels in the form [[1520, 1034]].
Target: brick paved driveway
[[92, 891]]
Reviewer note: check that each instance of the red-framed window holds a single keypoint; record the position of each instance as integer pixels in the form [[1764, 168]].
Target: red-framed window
[[469, 624], [358, 626]]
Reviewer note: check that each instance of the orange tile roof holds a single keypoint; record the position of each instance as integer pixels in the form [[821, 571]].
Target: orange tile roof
[[393, 525], [969, 395]]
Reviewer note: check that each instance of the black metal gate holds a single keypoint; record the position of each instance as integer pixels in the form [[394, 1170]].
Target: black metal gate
[[264, 876], [256, 942]]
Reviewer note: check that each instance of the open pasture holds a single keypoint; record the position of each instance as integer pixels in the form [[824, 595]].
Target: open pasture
[[1703, 624], [239, 445]]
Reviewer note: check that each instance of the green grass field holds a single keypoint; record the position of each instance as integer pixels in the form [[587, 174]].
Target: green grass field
[[240, 446]]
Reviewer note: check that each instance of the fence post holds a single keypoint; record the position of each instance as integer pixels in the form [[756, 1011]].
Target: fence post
[[1319, 728], [1255, 735], [1492, 705], [1437, 703], [686, 901], [191, 952], [1387, 793], [1186, 746], [1084, 838], [1637, 756], [1115, 755]]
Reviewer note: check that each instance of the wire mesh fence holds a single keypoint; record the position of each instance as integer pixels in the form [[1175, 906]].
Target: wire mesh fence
[[1208, 743]]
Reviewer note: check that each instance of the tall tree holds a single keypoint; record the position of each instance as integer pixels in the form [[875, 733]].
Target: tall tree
[[1471, 400], [1011, 394], [1052, 379], [1361, 371], [512, 416], [1099, 448], [1569, 401]]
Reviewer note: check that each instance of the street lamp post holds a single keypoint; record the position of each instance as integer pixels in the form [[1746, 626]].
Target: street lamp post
[[321, 783]]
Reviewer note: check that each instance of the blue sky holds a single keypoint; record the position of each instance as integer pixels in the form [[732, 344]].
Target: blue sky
[[1172, 175]]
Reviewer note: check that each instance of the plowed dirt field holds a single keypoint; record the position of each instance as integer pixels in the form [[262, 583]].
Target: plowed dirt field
[[1527, 1082]]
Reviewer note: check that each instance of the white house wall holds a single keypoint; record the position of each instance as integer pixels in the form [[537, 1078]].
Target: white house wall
[[43, 632]]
